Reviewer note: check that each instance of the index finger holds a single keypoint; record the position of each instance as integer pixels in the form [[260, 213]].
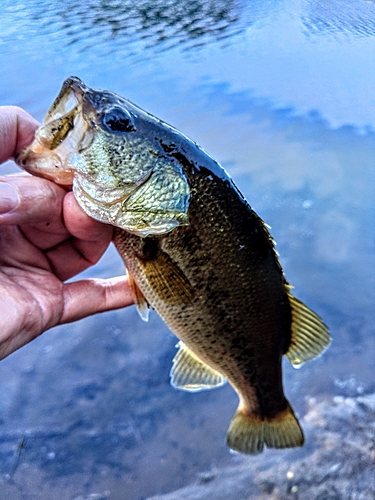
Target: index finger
[[17, 129]]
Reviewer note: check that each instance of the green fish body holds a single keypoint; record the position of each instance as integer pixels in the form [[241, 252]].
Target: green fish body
[[194, 251]]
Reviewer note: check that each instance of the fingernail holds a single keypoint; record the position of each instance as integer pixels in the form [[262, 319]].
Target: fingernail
[[9, 198]]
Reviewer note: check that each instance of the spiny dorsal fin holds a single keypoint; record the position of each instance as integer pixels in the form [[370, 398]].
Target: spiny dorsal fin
[[191, 374], [167, 280], [140, 301], [310, 336]]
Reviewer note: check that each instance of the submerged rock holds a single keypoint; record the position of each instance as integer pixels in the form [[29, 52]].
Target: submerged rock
[[339, 462]]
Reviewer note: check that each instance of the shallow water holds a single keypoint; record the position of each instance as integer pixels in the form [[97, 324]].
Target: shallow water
[[282, 93]]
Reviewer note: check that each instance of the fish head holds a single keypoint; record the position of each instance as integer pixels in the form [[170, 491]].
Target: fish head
[[113, 154]]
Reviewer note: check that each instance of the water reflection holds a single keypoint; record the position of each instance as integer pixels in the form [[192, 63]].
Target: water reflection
[[281, 93], [159, 23], [340, 17]]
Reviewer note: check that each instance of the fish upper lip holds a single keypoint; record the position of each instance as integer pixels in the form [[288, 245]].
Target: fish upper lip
[[83, 95], [77, 85]]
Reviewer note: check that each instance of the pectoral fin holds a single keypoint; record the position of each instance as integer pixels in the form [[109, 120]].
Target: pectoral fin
[[140, 301], [191, 374], [169, 283], [310, 336]]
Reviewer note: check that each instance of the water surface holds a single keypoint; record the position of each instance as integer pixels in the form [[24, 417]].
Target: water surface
[[282, 93]]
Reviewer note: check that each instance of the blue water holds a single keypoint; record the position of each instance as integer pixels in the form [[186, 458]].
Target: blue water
[[282, 93]]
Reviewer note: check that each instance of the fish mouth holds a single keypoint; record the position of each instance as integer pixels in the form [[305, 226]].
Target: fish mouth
[[64, 130], [69, 98]]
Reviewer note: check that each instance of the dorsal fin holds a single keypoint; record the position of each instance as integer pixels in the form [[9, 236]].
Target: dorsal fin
[[191, 374], [310, 336]]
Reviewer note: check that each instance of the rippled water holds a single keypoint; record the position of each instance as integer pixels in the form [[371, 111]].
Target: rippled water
[[282, 93]]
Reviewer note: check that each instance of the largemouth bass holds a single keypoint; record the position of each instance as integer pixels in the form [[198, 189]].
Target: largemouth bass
[[194, 250]]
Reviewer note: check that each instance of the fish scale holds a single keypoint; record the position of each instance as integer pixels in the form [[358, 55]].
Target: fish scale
[[224, 293], [194, 251]]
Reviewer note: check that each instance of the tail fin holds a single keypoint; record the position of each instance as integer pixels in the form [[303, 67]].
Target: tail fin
[[248, 433]]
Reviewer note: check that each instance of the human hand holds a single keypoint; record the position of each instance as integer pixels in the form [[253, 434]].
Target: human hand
[[45, 239]]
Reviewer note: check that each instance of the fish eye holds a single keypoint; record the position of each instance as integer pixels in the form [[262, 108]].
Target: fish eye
[[117, 120]]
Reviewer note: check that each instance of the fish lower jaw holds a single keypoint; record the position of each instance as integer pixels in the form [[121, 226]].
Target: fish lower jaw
[[45, 164]]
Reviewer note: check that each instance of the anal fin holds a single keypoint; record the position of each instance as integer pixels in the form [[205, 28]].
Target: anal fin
[[310, 336], [189, 373]]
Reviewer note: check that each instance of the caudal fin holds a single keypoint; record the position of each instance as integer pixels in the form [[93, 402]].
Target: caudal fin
[[249, 433]]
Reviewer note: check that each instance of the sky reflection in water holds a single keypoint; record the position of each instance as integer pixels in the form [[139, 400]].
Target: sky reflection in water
[[282, 94]]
